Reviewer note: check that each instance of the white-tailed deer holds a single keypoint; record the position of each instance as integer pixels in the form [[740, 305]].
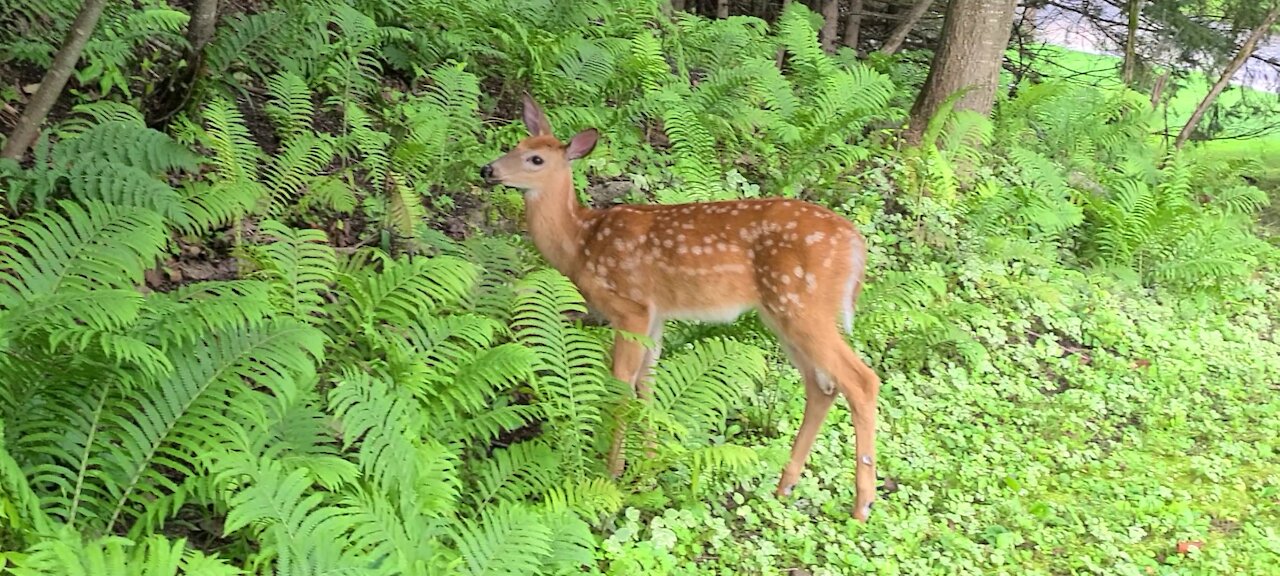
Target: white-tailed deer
[[800, 265]]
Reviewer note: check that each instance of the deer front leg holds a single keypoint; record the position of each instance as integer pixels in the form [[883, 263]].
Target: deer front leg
[[630, 363]]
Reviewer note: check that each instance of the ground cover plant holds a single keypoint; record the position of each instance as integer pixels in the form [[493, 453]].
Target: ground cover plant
[[285, 330]]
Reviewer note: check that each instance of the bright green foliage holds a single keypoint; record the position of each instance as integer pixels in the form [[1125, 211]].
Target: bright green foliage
[[1075, 326]]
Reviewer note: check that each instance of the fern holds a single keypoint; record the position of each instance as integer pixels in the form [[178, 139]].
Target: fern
[[297, 526], [570, 381], [68, 555], [300, 267], [94, 246], [170, 423], [698, 387], [24, 514], [516, 473], [128, 143], [290, 105], [295, 167], [508, 540], [235, 154], [209, 206], [407, 289]]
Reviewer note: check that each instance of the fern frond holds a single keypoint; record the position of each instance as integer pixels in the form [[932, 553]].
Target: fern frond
[[24, 514], [404, 206], [509, 540], [290, 106], [208, 206], [294, 167], [298, 528], [517, 472], [570, 382], [590, 498], [171, 423], [235, 154], [408, 289], [126, 143], [698, 387], [300, 266], [67, 554], [94, 246], [122, 185]]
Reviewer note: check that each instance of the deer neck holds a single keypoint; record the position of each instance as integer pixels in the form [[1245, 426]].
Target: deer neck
[[556, 223]]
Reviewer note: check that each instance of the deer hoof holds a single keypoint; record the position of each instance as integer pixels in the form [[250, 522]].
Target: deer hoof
[[784, 490], [862, 513]]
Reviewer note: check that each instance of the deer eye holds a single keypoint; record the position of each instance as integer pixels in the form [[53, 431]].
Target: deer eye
[[536, 160]]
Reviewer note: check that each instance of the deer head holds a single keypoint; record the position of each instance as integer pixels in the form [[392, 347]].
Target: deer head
[[539, 158]]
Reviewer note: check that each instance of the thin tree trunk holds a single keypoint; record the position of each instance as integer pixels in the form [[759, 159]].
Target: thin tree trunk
[[64, 63], [175, 94], [830, 25], [1158, 90], [853, 24], [970, 51], [1246, 49], [722, 8], [782, 52], [204, 17], [909, 20], [1131, 42]]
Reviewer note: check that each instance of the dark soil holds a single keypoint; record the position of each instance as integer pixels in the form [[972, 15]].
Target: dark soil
[[195, 262]]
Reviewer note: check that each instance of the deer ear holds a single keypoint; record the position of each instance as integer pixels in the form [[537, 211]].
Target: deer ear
[[534, 119], [582, 144]]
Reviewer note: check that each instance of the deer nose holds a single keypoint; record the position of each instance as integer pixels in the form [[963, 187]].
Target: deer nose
[[486, 171]]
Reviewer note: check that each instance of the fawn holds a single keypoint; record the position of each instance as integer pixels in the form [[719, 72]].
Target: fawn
[[798, 264]]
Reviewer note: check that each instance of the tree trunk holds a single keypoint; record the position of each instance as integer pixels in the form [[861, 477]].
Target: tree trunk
[[1158, 90], [782, 52], [64, 63], [175, 94], [1236, 62], [830, 25], [722, 8], [204, 17], [677, 5], [970, 51], [909, 20], [852, 24], [1131, 42]]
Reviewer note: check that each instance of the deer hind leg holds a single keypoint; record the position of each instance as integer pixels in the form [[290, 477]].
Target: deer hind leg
[[818, 396], [831, 357], [631, 363]]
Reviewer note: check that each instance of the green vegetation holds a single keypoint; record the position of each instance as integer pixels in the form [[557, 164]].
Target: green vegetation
[[1245, 110], [348, 362]]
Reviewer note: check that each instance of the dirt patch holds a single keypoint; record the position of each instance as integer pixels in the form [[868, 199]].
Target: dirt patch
[[605, 194], [1225, 526], [200, 527], [1054, 383], [194, 262], [259, 124]]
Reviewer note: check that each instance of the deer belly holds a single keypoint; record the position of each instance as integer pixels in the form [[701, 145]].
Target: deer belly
[[720, 314], [704, 300]]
